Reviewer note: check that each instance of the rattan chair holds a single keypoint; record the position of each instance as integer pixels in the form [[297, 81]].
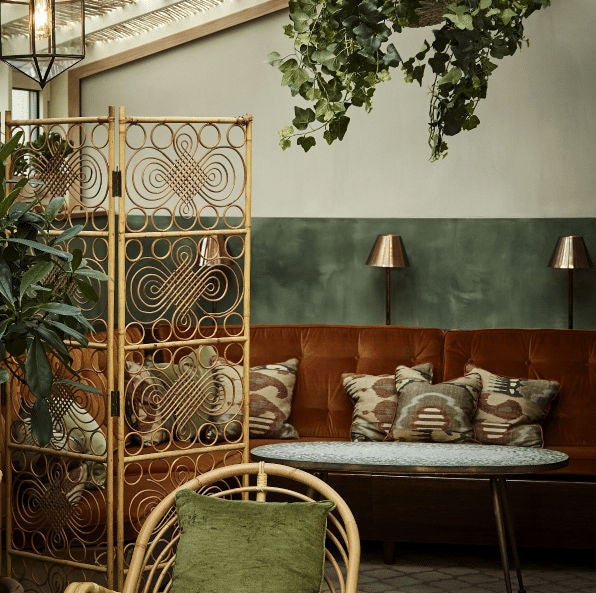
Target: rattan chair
[[154, 553]]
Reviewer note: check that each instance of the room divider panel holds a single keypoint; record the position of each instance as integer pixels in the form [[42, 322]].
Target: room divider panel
[[165, 209]]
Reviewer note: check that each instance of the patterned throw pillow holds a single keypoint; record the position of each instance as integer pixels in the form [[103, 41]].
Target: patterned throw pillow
[[375, 402], [437, 413], [271, 389], [163, 397], [510, 410]]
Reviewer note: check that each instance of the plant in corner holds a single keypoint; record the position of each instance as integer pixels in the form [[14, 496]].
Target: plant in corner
[[345, 48], [39, 282]]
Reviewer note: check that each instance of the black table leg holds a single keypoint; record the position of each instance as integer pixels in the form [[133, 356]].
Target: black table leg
[[505, 533]]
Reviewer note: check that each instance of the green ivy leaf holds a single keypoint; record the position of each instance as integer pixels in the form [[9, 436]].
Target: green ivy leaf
[[302, 118], [507, 15], [391, 57], [273, 58], [307, 142], [452, 77], [471, 122]]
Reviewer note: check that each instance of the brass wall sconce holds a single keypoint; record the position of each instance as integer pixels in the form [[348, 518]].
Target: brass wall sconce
[[570, 254], [388, 252]]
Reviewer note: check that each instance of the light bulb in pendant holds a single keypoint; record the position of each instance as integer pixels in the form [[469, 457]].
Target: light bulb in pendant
[[42, 18]]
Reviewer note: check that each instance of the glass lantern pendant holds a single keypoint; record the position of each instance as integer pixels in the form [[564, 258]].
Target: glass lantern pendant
[[42, 38]]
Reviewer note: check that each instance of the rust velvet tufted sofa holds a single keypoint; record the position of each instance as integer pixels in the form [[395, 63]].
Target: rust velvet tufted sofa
[[554, 509]]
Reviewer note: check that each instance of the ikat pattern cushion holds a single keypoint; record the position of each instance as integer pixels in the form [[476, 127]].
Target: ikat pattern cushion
[[439, 413], [163, 397], [271, 389], [375, 402], [510, 410]]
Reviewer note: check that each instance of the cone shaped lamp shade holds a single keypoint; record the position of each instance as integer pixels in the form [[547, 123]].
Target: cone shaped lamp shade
[[570, 254], [42, 38], [212, 250], [388, 252]]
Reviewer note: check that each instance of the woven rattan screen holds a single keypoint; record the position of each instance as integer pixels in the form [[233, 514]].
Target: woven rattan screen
[[165, 205]]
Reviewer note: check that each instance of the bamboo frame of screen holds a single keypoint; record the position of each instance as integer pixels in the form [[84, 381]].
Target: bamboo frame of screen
[[149, 193]]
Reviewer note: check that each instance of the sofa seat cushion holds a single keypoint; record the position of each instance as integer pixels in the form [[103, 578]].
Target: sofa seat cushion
[[582, 461]]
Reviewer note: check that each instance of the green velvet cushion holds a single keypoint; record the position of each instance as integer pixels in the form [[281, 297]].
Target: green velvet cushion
[[236, 546]]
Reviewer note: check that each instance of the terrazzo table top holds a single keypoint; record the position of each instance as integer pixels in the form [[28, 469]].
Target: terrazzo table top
[[411, 458]]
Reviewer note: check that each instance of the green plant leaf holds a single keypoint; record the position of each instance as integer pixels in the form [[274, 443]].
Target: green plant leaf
[[60, 309], [41, 422], [302, 118], [507, 15], [77, 258], [79, 385], [65, 255], [307, 142], [70, 332], [452, 77], [91, 273], [6, 282], [38, 371], [87, 290], [471, 122], [53, 208], [7, 149], [273, 58], [391, 57], [69, 233], [34, 275], [7, 200], [55, 342]]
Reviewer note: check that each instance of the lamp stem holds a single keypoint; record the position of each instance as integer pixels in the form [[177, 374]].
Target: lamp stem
[[387, 296], [570, 296]]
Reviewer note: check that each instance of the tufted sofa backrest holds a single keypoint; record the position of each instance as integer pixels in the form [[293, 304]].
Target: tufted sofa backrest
[[565, 356], [320, 407]]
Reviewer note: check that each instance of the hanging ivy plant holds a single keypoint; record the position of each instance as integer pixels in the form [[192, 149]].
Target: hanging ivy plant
[[345, 48]]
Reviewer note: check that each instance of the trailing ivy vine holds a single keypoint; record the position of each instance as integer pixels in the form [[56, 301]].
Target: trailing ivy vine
[[345, 48]]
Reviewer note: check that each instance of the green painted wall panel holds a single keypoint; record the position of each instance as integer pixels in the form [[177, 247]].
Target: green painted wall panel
[[464, 273]]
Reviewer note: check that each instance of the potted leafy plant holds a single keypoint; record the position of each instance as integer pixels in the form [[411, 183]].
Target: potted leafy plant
[[39, 282], [345, 48]]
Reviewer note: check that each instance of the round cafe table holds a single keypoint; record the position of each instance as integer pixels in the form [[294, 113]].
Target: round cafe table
[[493, 462]]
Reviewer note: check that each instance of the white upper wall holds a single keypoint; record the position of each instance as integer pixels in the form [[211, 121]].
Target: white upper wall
[[533, 154]]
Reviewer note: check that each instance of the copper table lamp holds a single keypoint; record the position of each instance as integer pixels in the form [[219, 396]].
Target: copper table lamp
[[388, 252], [570, 254]]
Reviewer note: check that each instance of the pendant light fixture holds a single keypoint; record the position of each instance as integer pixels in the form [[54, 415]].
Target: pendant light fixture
[[42, 38]]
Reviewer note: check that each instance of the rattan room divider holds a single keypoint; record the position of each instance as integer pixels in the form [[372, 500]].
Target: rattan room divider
[[165, 209]]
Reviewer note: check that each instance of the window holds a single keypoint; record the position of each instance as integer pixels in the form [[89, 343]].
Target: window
[[25, 104]]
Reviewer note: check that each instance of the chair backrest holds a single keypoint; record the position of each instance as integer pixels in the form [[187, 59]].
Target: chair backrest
[[154, 553]]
